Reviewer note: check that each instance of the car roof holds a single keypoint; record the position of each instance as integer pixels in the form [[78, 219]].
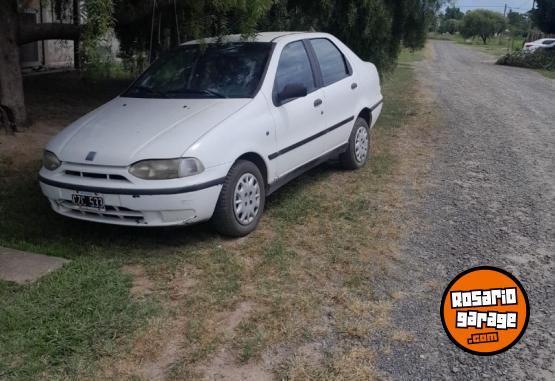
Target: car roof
[[259, 37]]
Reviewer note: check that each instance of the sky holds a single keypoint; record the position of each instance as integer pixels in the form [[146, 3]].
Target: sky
[[495, 5]]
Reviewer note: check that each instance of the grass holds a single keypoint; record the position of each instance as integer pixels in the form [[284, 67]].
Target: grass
[[496, 46], [409, 56], [307, 274], [108, 70], [61, 325], [547, 73]]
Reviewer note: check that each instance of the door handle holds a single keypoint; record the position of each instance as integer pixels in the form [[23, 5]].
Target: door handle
[[354, 86], [318, 102]]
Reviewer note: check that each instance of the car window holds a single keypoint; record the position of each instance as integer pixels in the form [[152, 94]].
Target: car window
[[332, 62], [210, 71], [548, 42], [294, 67]]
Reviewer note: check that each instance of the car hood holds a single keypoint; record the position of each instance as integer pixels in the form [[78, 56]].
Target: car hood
[[127, 130]]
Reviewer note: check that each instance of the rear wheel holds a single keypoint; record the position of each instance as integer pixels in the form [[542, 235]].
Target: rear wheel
[[241, 201], [358, 150]]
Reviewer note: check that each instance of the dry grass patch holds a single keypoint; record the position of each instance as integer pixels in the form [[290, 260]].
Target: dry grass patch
[[142, 285]]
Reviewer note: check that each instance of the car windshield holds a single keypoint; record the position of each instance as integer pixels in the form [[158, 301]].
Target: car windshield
[[232, 70]]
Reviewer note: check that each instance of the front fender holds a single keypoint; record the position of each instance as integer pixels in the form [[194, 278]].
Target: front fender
[[251, 130]]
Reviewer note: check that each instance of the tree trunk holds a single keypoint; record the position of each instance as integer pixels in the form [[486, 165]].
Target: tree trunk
[[47, 31], [76, 42], [11, 80]]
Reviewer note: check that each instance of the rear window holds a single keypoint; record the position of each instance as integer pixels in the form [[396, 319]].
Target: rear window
[[548, 42], [332, 62]]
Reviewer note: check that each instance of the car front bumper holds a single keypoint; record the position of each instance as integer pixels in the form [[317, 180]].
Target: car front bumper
[[132, 205]]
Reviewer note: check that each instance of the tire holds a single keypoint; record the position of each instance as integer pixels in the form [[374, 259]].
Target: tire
[[358, 151], [241, 202]]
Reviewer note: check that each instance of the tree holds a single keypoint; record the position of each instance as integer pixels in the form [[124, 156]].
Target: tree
[[375, 29], [197, 18], [153, 27], [450, 26], [450, 20], [453, 13], [544, 15], [518, 23], [13, 34], [482, 23]]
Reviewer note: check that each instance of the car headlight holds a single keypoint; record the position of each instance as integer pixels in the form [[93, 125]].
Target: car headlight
[[166, 169], [50, 161]]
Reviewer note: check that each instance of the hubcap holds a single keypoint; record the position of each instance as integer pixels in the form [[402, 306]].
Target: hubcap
[[246, 199], [361, 144]]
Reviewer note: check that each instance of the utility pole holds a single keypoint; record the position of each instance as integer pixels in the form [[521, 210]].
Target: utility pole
[[530, 22], [504, 16]]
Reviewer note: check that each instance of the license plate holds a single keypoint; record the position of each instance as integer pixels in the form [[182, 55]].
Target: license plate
[[88, 201]]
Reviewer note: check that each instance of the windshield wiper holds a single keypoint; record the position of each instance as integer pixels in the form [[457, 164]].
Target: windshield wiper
[[150, 91], [194, 91], [213, 93]]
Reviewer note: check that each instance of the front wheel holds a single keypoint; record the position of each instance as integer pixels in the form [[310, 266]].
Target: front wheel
[[358, 150], [241, 201]]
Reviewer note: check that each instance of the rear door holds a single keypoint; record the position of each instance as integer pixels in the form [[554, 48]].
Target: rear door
[[340, 89], [298, 121]]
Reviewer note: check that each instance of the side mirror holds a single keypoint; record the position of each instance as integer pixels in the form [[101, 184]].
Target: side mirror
[[292, 91]]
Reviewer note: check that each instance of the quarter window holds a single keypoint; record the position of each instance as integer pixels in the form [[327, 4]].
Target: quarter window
[[294, 68], [332, 62]]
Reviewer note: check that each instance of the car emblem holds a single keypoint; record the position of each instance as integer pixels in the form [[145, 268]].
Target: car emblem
[[90, 156]]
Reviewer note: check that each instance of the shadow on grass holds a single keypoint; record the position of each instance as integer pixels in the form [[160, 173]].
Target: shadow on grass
[[28, 223]]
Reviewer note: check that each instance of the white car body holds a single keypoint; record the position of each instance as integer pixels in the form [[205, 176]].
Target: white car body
[[97, 150], [543, 43]]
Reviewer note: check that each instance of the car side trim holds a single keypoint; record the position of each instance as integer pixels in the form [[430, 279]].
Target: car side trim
[[376, 105], [309, 139], [304, 168], [132, 192]]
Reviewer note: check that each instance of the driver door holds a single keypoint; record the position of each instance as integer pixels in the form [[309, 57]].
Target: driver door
[[298, 120]]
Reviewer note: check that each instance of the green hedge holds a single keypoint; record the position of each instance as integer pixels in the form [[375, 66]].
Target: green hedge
[[540, 59]]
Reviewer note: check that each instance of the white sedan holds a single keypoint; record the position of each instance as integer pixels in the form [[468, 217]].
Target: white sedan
[[211, 129], [544, 43]]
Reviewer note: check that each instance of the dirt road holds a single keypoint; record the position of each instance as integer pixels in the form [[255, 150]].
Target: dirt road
[[491, 201]]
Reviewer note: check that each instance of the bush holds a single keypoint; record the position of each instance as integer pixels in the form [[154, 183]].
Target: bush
[[540, 59]]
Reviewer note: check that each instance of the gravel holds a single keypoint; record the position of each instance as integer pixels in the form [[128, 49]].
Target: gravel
[[490, 201]]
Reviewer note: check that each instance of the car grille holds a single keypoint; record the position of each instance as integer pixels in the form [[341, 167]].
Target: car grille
[[112, 213], [95, 175]]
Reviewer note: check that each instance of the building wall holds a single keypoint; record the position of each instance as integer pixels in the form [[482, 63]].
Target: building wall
[[51, 54]]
